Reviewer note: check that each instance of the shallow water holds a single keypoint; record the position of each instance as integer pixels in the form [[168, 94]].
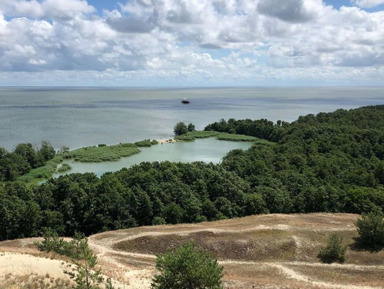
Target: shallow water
[[206, 150], [85, 117]]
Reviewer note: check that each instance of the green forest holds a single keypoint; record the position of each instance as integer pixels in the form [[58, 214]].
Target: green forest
[[329, 162]]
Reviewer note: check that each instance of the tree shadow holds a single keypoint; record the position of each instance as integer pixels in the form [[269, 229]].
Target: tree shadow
[[358, 246]]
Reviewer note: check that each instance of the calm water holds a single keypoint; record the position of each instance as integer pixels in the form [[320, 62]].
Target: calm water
[[206, 150], [83, 117]]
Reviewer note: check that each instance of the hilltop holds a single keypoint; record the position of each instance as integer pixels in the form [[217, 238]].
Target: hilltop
[[261, 251]]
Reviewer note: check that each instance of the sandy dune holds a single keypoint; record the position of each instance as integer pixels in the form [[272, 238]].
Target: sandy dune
[[265, 251]]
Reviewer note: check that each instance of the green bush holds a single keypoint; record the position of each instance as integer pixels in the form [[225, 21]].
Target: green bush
[[187, 267], [53, 243], [158, 221], [144, 143], [371, 230], [191, 127], [45, 171], [334, 251], [184, 137], [180, 128], [64, 168]]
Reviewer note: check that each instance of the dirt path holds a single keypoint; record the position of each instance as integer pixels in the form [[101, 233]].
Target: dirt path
[[104, 245], [132, 270]]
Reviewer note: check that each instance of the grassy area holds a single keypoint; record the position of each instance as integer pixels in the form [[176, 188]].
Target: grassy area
[[35, 281], [98, 153], [237, 137], [42, 172], [64, 168], [146, 143], [191, 136], [103, 153]]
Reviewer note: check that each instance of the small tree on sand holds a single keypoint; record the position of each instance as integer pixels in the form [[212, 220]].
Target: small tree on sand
[[187, 267], [86, 275]]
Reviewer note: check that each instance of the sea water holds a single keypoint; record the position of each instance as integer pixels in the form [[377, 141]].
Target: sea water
[[78, 117]]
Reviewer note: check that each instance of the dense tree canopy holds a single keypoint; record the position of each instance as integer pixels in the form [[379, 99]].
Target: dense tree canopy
[[24, 158]]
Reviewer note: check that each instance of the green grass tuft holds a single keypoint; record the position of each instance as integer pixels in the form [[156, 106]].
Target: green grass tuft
[[103, 153], [237, 137], [146, 143], [43, 172], [64, 168], [191, 136]]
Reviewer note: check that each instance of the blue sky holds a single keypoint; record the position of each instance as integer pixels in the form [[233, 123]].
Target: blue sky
[[338, 3], [101, 5], [191, 43]]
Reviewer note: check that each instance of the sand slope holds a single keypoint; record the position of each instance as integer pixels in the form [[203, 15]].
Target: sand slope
[[264, 251]]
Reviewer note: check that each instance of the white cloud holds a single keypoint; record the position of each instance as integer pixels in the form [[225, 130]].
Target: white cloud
[[45, 8], [289, 10], [231, 40], [367, 3]]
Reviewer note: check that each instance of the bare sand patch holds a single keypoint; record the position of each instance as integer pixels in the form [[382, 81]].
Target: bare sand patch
[[24, 264], [263, 251]]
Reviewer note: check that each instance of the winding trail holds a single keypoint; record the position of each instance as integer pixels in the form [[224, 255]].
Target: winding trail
[[133, 270]]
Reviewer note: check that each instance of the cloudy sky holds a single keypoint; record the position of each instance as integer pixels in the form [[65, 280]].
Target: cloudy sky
[[191, 42]]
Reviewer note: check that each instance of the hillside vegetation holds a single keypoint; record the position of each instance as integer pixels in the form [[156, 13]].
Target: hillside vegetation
[[331, 162]]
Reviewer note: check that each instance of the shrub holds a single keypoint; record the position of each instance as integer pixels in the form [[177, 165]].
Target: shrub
[[371, 230], [180, 128], [334, 251], [158, 221], [187, 267], [144, 143], [64, 168], [191, 127], [51, 242], [86, 275]]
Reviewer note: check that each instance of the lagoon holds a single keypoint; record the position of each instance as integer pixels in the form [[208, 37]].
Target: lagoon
[[206, 150]]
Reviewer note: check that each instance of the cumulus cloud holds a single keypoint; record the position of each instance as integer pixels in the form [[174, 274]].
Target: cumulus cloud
[[288, 10], [129, 24], [45, 9], [367, 3], [222, 39]]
